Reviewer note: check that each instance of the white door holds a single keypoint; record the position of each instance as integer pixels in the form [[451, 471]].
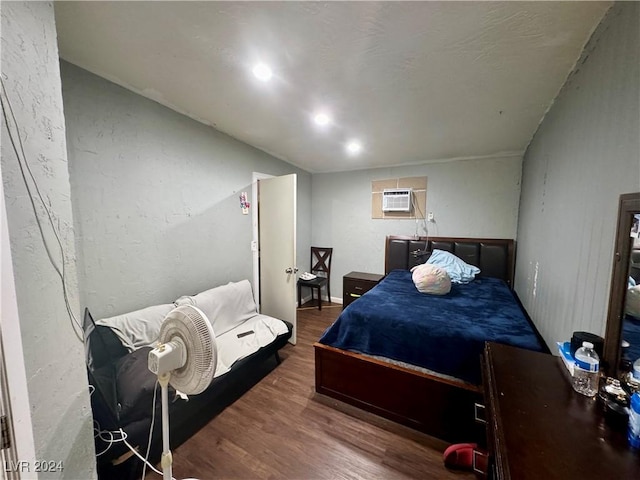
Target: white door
[[277, 247], [14, 397]]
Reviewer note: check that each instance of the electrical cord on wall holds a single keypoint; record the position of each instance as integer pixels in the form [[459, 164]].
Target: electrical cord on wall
[[24, 169], [416, 207]]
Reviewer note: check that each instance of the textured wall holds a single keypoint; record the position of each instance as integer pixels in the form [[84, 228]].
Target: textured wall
[[53, 355], [585, 154], [155, 198], [470, 198]]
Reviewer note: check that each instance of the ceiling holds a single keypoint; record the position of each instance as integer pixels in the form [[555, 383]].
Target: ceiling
[[414, 82]]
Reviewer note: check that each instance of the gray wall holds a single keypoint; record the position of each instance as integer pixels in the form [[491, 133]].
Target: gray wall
[[469, 198], [155, 198], [53, 355], [585, 154]]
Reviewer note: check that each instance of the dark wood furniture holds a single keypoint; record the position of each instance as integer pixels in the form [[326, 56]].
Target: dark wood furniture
[[629, 205], [321, 267], [439, 406], [434, 405], [539, 427], [495, 257], [355, 284]]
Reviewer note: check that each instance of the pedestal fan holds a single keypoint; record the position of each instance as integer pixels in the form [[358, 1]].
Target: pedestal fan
[[186, 358]]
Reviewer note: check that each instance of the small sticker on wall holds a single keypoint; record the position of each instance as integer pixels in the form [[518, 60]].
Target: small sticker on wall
[[244, 204]]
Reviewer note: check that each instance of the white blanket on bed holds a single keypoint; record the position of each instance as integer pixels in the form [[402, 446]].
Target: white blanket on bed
[[140, 328], [231, 348], [229, 308]]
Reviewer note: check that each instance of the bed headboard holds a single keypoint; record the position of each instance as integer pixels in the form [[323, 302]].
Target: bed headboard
[[494, 257]]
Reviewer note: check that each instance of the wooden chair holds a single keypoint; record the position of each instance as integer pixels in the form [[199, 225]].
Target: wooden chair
[[321, 267]]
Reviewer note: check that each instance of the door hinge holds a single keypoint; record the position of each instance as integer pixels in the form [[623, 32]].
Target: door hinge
[[6, 436]]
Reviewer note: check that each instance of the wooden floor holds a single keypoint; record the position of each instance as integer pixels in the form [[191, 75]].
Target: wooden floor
[[282, 429]]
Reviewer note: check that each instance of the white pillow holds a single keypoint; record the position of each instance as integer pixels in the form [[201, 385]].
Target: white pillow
[[139, 328], [226, 306]]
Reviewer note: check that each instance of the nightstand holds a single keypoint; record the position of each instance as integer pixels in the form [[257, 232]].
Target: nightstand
[[355, 284]]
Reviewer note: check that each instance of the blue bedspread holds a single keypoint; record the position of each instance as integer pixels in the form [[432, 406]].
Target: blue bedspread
[[445, 334], [631, 333]]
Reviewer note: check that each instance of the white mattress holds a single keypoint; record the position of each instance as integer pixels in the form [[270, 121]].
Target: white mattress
[[231, 348]]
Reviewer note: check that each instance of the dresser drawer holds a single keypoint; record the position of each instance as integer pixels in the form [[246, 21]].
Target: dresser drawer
[[355, 284]]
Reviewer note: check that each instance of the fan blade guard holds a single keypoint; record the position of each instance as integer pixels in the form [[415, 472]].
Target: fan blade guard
[[192, 327]]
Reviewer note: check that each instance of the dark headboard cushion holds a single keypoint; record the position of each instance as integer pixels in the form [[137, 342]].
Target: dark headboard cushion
[[494, 257]]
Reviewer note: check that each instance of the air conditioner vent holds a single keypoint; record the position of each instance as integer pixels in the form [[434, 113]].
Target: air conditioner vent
[[396, 200]]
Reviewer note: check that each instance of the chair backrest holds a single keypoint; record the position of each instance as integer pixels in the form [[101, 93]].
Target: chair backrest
[[321, 260]]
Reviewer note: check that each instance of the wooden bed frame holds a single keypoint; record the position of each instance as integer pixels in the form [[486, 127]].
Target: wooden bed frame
[[439, 406]]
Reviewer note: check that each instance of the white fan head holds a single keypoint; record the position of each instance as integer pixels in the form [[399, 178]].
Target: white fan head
[[189, 326]]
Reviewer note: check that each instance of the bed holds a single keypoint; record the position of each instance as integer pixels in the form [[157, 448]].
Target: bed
[[385, 355]]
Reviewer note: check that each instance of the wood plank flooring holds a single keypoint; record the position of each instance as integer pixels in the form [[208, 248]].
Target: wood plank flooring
[[282, 429]]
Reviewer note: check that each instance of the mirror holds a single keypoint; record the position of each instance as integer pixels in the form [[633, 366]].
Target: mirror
[[623, 319]]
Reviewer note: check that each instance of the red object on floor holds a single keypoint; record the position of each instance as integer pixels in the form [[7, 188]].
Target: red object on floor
[[459, 455]]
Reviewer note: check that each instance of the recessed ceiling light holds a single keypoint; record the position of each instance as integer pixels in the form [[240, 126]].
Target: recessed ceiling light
[[322, 119], [262, 72], [354, 147]]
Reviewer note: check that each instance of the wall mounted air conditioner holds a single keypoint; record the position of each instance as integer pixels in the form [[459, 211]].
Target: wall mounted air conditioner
[[396, 200]]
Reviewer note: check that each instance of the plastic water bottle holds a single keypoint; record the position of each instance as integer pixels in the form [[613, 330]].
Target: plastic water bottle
[[585, 372], [634, 421]]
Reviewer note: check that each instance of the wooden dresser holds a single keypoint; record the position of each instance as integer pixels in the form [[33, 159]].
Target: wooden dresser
[[355, 284], [540, 428]]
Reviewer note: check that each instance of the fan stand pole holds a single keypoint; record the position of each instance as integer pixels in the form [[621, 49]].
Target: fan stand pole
[[166, 459]]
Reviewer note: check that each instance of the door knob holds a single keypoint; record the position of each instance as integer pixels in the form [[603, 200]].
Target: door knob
[[291, 270]]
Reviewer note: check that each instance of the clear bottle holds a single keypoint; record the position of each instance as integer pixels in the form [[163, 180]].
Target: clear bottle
[[586, 370], [634, 421]]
